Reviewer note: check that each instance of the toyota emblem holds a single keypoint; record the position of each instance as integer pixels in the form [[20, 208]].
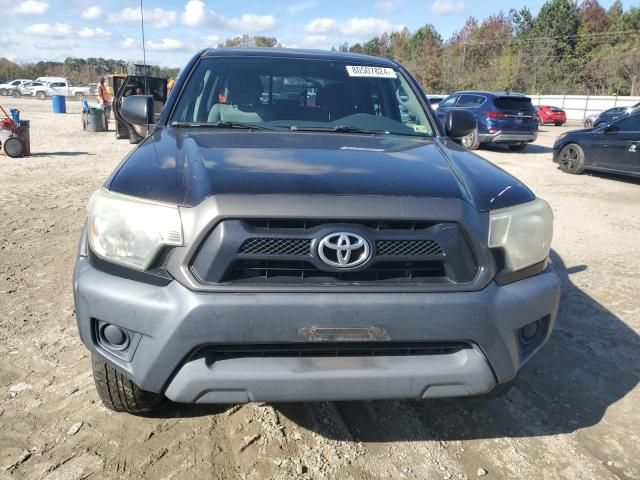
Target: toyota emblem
[[344, 250]]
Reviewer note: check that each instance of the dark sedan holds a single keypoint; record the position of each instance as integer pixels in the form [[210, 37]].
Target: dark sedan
[[613, 147], [614, 114]]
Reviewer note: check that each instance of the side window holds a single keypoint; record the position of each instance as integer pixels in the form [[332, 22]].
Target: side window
[[629, 124], [449, 102], [466, 100], [478, 100]]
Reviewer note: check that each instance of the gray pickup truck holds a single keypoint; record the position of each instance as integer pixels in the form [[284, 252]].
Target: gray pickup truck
[[297, 226]]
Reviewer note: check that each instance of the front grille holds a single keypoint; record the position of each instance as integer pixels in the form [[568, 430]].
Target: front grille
[[408, 247], [276, 246], [305, 224], [330, 349], [282, 252], [302, 246], [273, 270]]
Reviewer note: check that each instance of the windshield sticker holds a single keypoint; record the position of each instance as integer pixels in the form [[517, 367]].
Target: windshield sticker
[[371, 72]]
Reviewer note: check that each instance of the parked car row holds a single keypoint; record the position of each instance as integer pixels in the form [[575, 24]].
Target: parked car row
[[45, 87]]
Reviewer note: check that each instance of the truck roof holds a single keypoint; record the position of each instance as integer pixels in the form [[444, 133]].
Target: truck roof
[[299, 53]]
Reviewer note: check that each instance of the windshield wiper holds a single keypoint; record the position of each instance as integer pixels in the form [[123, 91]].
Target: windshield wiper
[[246, 126], [338, 129]]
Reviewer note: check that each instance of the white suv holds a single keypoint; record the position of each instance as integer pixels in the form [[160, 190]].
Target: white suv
[[7, 88]]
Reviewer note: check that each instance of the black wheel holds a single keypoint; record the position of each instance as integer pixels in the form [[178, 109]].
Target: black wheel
[[120, 394], [4, 92], [15, 93], [571, 159], [588, 123], [41, 95], [517, 147], [13, 147], [471, 141], [78, 96], [557, 124]]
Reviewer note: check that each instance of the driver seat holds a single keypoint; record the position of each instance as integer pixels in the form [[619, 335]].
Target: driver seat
[[243, 90]]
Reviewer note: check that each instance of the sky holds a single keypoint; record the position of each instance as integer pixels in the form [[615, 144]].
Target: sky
[[37, 30]]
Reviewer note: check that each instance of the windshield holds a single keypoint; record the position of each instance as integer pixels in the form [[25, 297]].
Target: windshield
[[300, 95]]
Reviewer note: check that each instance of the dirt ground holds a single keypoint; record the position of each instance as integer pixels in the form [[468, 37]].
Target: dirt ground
[[574, 412]]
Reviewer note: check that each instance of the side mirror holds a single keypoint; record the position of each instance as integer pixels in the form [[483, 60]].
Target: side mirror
[[138, 110], [610, 128], [459, 123]]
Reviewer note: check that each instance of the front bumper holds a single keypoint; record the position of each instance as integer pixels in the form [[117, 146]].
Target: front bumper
[[508, 137], [169, 323]]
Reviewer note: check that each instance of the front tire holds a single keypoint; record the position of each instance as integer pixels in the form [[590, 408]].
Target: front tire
[[558, 124], [120, 394], [571, 159], [517, 147], [41, 95], [471, 141], [588, 123], [15, 94]]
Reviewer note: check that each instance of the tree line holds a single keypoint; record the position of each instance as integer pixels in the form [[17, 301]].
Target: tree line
[[77, 70], [568, 48]]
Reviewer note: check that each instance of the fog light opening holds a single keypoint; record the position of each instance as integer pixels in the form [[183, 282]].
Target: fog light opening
[[113, 337], [531, 336]]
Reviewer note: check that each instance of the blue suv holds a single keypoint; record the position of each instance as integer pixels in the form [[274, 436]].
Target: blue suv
[[502, 117]]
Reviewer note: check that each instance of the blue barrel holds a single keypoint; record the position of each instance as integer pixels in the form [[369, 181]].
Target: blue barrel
[[59, 104]]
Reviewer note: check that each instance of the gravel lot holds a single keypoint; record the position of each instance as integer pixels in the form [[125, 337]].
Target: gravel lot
[[574, 412]]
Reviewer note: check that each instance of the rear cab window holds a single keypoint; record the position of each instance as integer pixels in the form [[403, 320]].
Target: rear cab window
[[513, 103], [290, 94]]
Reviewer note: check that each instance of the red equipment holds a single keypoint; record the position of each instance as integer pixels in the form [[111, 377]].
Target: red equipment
[[16, 137]]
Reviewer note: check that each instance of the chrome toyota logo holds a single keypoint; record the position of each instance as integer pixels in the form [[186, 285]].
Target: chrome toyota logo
[[344, 250]]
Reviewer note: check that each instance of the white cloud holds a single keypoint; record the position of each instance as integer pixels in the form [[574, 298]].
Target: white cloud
[[129, 42], [354, 27], [158, 17], [30, 7], [56, 30], [62, 30], [87, 32], [91, 13], [301, 6], [447, 7], [196, 14], [166, 45], [322, 25]]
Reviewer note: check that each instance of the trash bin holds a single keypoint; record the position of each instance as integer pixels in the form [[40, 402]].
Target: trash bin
[[94, 120], [58, 103]]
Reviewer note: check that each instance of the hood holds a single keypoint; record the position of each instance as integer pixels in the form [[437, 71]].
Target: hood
[[185, 166]]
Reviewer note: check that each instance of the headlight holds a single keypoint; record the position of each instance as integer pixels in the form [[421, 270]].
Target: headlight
[[524, 232], [130, 231]]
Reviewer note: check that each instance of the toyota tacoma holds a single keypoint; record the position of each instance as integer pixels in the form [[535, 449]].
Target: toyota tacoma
[[298, 226]]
